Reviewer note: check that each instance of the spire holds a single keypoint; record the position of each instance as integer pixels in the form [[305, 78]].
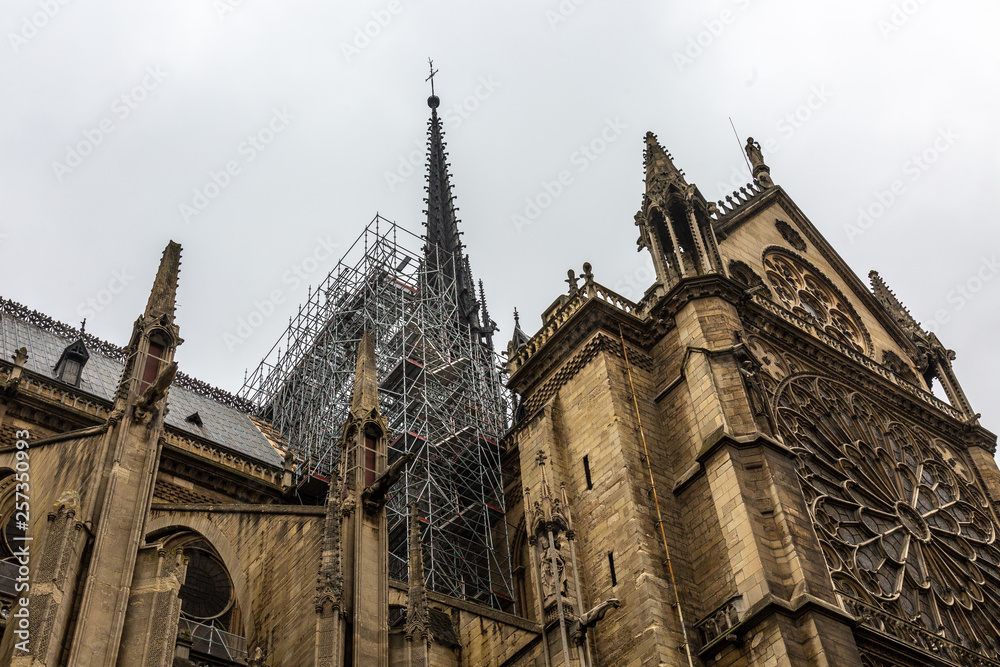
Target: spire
[[365, 396], [164, 293], [659, 162], [444, 245], [417, 616]]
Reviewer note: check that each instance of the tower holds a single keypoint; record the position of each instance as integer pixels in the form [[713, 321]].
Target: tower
[[752, 453]]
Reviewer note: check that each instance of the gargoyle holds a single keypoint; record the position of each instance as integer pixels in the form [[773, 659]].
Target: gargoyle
[[374, 494], [589, 619], [14, 379], [146, 405]]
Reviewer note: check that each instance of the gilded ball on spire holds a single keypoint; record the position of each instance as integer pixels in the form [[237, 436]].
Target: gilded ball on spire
[[433, 101]]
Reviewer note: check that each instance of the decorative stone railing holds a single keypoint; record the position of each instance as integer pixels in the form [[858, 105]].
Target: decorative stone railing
[[915, 635], [856, 356], [577, 298], [223, 456], [738, 199]]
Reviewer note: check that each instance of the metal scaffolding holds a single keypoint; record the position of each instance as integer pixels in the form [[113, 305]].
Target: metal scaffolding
[[439, 387]]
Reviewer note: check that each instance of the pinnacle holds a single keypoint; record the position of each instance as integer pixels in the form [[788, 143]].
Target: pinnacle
[[659, 161], [365, 396], [889, 300], [163, 296]]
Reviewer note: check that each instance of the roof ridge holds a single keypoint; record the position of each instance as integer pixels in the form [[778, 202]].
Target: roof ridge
[[117, 353]]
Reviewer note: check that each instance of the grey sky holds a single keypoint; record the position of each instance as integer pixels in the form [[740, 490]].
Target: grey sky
[[842, 96]]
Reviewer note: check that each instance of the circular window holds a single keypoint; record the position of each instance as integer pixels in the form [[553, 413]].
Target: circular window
[[207, 591]]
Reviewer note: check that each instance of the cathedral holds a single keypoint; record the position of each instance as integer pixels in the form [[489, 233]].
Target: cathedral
[[747, 466]]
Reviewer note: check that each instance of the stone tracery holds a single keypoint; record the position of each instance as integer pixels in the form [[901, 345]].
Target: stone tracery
[[808, 294], [903, 526]]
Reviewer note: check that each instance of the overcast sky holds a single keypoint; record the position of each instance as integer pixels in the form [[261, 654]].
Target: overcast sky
[[264, 135]]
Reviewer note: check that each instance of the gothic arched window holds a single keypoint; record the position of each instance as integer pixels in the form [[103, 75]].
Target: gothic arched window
[[808, 294]]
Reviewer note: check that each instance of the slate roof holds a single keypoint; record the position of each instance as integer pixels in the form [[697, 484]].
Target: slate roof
[[442, 627], [222, 424]]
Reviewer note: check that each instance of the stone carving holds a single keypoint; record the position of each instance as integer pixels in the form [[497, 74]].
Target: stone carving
[[374, 495], [753, 384], [789, 234], [761, 172], [807, 293], [149, 403], [591, 618], [553, 582], [721, 621], [744, 275], [903, 532], [13, 383], [895, 363], [257, 659]]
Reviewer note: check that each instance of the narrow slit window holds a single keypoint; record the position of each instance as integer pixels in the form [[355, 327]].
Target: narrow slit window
[[586, 472], [611, 567]]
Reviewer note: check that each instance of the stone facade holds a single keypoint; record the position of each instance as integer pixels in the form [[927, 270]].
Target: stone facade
[[746, 467]]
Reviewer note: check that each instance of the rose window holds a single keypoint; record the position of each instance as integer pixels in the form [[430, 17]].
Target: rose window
[[904, 529], [810, 296]]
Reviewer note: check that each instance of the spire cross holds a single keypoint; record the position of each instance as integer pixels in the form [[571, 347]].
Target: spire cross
[[431, 77]]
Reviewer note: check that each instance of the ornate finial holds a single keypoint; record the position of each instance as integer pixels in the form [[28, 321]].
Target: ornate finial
[[83, 327], [540, 458], [588, 275], [517, 320], [433, 101], [571, 280]]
